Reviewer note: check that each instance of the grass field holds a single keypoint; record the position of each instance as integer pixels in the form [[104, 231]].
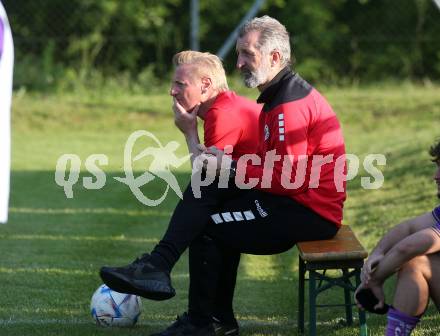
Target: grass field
[[52, 247]]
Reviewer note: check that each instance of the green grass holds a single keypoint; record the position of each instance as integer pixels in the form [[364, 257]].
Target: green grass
[[52, 246]]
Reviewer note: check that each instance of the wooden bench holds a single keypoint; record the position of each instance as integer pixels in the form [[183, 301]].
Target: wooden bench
[[345, 253]]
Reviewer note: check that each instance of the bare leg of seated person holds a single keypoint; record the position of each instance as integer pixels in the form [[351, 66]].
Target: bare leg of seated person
[[418, 280]]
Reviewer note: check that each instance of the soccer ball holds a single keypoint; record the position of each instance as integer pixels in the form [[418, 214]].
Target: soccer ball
[[113, 309]]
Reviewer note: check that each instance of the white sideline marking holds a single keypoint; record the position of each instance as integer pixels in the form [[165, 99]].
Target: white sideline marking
[[79, 238], [112, 211], [142, 322], [282, 322]]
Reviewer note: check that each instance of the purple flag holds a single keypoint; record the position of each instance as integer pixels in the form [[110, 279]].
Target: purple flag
[[1, 37]]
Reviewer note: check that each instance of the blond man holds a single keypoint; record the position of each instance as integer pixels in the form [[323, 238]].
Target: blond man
[[200, 91]]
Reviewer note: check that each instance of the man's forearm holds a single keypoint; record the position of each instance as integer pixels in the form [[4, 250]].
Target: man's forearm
[[395, 235], [390, 264], [422, 242], [403, 230]]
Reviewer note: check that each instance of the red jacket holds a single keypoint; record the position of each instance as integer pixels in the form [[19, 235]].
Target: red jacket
[[299, 125], [232, 120]]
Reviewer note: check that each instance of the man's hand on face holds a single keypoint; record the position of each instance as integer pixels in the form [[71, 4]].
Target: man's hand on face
[[184, 120]]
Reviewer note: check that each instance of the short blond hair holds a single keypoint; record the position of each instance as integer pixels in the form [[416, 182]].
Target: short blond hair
[[205, 64]]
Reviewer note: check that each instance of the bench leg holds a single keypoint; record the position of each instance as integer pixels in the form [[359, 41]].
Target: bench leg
[[312, 303], [347, 297], [362, 315], [302, 274]]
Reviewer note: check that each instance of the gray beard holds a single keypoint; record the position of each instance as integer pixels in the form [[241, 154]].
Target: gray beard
[[252, 79]]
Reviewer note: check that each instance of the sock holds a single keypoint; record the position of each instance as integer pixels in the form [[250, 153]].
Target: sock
[[400, 323]]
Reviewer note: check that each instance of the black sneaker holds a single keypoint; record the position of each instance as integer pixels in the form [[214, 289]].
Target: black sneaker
[[225, 328], [140, 278], [183, 327]]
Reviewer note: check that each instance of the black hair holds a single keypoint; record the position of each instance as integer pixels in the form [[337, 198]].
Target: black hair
[[434, 151]]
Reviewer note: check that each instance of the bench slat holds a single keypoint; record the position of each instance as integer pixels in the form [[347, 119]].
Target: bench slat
[[344, 245]]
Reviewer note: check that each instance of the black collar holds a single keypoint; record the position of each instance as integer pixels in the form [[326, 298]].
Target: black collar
[[269, 93]]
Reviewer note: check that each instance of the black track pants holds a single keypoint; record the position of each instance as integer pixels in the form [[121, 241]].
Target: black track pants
[[224, 223], [213, 272], [246, 221]]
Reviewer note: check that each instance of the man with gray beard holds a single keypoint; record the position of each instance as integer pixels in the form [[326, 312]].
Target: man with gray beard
[[260, 210]]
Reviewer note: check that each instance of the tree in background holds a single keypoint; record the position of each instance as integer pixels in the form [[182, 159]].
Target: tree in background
[[333, 40]]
